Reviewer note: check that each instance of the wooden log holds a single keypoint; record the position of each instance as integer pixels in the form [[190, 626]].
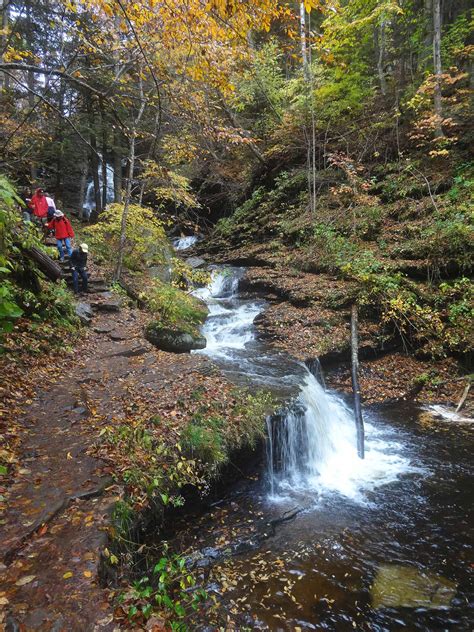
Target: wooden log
[[47, 265], [131, 293], [359, 422]]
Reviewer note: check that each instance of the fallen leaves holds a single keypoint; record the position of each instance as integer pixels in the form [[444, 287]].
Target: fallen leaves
[[25, 580]]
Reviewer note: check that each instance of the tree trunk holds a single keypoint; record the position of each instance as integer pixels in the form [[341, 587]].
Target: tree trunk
[[463, 397], [47, 265], [104, 158], [128, 195], [304, 46], [380, 57], [437, 66], [94, 163], [117, 169], [82, 188], [359, 422], [128, 191], [4, 79], [59, 151]]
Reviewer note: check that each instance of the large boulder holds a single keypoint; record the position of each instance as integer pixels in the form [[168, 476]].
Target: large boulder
[[196, 262], [160, 272], [173, 340], [84, 313]]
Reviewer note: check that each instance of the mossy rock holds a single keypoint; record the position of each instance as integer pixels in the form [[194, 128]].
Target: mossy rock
[[397, 586], [173, 340]]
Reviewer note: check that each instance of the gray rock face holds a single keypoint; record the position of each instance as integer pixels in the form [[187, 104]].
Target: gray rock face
[[161, 272], [109, 305], [196, 262], [118, 334], [104, 329], [173, 340], [84, 313]]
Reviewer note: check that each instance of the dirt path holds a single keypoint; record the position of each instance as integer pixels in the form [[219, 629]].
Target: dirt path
[[60, 502]]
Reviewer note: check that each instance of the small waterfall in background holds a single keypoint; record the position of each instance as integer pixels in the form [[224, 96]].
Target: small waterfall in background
[[311, 443], [89, 199], [183, 243]]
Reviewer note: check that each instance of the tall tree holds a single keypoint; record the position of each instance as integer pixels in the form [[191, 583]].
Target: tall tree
[[438, 106]]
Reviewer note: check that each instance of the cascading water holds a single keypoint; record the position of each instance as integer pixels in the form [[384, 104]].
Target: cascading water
[[312, 443], [89, 199], [365, 532], [183, 243]]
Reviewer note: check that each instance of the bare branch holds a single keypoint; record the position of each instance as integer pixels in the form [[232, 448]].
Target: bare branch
[[51, 71], [57, 110]]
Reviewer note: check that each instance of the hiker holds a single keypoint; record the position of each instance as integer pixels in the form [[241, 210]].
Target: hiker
[[25, 208], [63, 232], [51, 206], [78, 262], [39, 206]]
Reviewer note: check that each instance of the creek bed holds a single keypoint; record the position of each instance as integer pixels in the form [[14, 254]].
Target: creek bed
[[383, 544]]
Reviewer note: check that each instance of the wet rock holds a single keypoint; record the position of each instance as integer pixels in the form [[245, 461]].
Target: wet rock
[[80, 410], [208, 551], [104, 329], [131, 353], [205, 562], [173, 340], [84, 313], [196, 262], [397, 586], [109, 305], [119, 335]]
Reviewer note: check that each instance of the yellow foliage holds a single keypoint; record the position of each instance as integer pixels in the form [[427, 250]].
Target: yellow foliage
[[146, 242]]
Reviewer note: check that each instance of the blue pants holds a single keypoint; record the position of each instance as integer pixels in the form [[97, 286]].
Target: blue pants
[[67, 243], [76, 272]]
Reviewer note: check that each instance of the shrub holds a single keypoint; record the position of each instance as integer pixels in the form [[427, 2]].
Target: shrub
[[174, 307], [146, 242], [204, 440], [23, 288]]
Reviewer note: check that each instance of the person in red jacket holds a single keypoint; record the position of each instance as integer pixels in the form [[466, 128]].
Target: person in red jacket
[[63, 232], [39, 205]]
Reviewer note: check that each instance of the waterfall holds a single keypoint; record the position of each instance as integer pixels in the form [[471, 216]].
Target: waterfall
[[314, 447], [311, 443], [89, 199]]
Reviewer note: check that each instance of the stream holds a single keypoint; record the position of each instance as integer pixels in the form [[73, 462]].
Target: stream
[[382, 543]]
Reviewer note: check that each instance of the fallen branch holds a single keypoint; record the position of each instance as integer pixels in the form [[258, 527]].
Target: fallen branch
[[463, 396], [131, 293], [355, 382], [286, 517]]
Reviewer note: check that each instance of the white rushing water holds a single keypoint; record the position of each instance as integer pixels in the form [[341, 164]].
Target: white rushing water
[[89, 198], [312, 444], [229, 325], [183, 243]]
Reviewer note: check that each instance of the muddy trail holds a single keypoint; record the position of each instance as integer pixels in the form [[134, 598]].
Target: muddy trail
[[60, 502]]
